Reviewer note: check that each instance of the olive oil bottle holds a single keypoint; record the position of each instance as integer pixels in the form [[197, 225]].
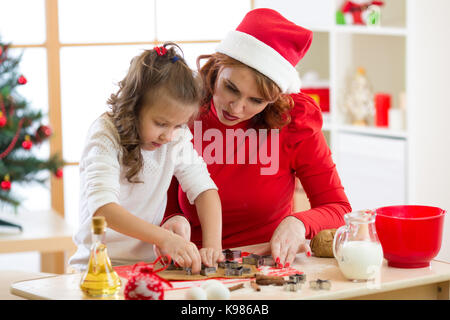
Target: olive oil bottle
[[99, 279]]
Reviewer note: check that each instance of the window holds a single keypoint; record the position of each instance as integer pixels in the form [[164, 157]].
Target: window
[[95, 41], [96, 53]]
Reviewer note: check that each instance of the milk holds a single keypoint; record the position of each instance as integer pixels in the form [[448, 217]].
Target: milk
[[360, 260]]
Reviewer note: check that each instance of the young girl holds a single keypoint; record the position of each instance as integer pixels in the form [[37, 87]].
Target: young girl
[[130, 157]]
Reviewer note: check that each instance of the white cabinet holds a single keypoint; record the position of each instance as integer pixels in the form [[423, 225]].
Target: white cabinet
[[372, 169]]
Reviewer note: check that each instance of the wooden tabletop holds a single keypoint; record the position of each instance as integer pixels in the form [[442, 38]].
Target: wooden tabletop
[[7, 277], [423, 283]]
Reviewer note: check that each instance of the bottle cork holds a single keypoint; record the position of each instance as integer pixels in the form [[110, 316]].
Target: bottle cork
[[98, 225]]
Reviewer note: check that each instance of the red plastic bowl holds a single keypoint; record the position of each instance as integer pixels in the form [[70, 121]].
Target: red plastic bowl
[[411, 236]]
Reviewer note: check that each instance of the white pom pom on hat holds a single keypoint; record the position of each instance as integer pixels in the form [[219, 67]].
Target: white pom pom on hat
[[271, 44]]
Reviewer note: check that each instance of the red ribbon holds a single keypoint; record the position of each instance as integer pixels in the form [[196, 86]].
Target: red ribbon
[[13, 141], [160, 50], [148, 268]]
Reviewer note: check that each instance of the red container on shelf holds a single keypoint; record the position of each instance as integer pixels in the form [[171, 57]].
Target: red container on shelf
[[410, 235], [323, 95], [382, 105]]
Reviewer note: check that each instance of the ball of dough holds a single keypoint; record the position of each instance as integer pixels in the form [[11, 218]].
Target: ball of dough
[[322, 243], [196, 293], [210, 282], [217, 291]]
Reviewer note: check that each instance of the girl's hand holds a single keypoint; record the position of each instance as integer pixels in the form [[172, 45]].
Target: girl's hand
[[210, 256], [183, 252], [287, 240]]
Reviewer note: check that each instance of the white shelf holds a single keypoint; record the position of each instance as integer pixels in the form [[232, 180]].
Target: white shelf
[[319, 28], [369, 30], [375, 131]]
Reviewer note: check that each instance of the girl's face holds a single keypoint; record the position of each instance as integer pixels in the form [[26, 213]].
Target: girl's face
[[159, 120], [236, 95]]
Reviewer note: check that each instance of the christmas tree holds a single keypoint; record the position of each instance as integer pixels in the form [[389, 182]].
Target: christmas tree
[[21, 129]]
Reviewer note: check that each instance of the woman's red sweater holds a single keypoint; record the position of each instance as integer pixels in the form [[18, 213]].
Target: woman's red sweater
[[253, 204]]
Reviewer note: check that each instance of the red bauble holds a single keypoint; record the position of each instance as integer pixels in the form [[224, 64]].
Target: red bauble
[[145, 284], [22, 80], [3, 120], [27, 144], [46, 131], [59, 173], [6, 185], [42, 133]]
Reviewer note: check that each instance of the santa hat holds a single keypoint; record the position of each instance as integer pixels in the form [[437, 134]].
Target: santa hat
[[271, 44]]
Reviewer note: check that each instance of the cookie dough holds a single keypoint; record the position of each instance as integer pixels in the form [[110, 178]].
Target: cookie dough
[[322, 243]]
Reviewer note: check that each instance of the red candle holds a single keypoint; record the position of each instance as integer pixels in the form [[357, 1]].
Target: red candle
[[382, 105]]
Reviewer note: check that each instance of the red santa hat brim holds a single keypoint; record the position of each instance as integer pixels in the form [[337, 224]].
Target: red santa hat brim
[[258, 55]]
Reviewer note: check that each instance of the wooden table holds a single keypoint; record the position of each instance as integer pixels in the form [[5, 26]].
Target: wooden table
[[7, 277], [43, 231], [424, 283]]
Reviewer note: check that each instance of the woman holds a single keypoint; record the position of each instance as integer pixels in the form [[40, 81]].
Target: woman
[[257, 133]]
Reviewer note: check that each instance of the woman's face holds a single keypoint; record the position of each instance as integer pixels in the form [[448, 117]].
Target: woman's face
[[236, 96]]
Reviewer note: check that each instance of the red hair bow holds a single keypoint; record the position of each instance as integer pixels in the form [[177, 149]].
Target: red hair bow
[[160, 50]]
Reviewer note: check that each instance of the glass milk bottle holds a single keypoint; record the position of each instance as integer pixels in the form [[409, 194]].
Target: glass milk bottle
[[356, 246]]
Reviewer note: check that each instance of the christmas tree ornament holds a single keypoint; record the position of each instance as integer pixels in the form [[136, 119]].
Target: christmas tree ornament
[[27, 144], [6, 184], [42, 133], [358, 104], [59, 173], [360, 12], [22, 80], [3, 120], [145, 284], [372, 15], [46, 130]]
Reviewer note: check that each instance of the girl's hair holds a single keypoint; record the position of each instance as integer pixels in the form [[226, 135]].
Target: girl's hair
[[148, 75], [276, 114]]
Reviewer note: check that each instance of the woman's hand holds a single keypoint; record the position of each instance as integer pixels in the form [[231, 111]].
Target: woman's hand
[[287, 240], [210, 256], [179, 225], [184, 253]]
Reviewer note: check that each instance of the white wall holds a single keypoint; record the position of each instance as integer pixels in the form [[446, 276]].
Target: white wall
[[428, 81]]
